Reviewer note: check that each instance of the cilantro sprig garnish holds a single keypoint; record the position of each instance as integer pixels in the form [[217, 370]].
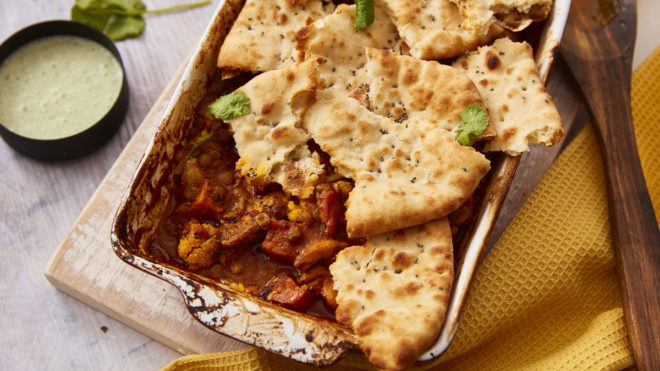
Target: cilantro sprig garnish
[[230, 106], [475, 122], [119, 19], [364, 14]]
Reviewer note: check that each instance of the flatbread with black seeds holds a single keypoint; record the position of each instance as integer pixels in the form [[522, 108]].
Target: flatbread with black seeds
[[433, 28], [405, 173], [514, 15], [263, 36], [339, 47], [269, 140], [394, 291], [404, 87], [520, 107]]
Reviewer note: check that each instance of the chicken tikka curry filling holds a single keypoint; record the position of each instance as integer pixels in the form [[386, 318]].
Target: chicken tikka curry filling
[[255, 237]]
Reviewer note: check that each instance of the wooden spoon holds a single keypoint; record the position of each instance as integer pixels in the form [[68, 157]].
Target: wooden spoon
[[598, 45]]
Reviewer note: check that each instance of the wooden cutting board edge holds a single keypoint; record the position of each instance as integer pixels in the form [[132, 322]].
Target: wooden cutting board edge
[[65, 273], [154, 307]]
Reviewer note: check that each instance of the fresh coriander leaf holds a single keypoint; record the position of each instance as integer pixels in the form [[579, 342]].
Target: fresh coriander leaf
[[364, 14], [475, 121], [231, 105], [124, 26], [98, 21]]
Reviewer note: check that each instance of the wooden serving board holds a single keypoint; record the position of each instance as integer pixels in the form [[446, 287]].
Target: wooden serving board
[[85, 266]]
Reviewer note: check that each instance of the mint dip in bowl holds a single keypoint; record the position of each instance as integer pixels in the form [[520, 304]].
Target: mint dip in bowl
[[63, 90]]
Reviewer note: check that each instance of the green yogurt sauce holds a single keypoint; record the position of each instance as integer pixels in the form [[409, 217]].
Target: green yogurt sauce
[[57, 86]]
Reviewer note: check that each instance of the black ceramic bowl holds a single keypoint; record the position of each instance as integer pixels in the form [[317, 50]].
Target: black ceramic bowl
[[85, 141]]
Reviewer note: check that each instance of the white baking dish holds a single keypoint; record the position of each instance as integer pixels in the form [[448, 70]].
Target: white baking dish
[[292, 334]]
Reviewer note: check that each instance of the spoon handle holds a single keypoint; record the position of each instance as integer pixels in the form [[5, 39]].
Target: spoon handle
[[634, 227]]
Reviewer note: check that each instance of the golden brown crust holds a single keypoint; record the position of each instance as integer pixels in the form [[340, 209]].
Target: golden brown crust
[[339, 47], [269, 140], [394, 291], [433, 28], [521, 109], [514, 15], [405, 173], [406, 87], [263, 36]]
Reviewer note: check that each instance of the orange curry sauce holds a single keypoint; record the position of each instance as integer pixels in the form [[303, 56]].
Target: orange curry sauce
[[255, 238]]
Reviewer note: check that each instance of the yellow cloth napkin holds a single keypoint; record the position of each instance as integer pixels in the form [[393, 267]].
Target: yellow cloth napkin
[[547, 295]]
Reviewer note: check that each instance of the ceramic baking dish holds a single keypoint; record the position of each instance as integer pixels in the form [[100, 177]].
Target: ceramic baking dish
[[246, 318]]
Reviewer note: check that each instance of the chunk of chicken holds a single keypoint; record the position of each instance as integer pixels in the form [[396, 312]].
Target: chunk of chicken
[[316, 251], [256, 215], [284, 290], [282, 240], [243, 231]]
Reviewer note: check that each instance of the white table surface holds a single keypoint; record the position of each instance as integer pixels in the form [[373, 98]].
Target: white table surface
[[40, 327]]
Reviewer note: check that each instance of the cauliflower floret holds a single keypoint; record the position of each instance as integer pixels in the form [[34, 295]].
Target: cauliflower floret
[[198, 245]]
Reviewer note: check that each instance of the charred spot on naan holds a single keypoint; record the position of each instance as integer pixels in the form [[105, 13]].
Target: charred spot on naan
[[433, 28], [263, 36], [394, 290], [520, 107], [405, 173], [406, 88]]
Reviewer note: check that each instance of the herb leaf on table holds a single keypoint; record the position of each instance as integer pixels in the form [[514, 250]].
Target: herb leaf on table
[[119, 19]]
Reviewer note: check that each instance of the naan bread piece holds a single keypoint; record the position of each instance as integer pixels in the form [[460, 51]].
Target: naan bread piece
[[514, 15], [519, 105], [405, 173], [394, 291], [432, 28], [269, 140], [425, 91], [340, 48], [263, 36]]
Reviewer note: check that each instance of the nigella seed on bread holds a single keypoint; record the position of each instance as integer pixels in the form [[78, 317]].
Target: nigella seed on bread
[[420, 178], [263, 36], [394, 290], [520, 107], [433, 28]]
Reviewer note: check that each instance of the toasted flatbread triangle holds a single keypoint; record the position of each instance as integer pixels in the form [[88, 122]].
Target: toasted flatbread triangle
[[263, 36], [394, 291], [340, 48], [519, 105], [272, 146], [405, 173], [403, 87], [433, 28], [514, 15]]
